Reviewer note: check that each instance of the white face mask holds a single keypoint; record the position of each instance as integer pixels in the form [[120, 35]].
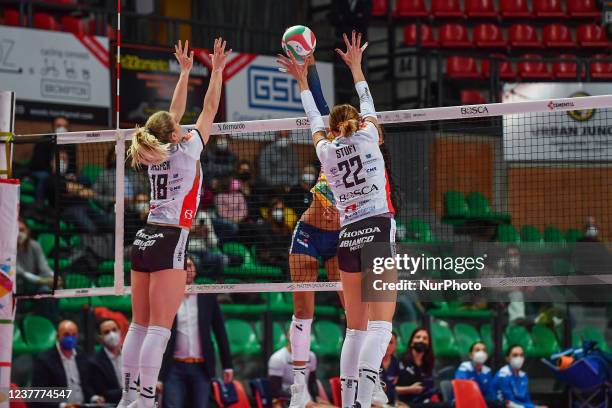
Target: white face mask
[[479, 357], [283, 142], [591, 232], [517, 362], [60, 129], [63, 167], [278, 214], [111, 339], [309, 178], [222, 144], [22, 237], [142, 207]]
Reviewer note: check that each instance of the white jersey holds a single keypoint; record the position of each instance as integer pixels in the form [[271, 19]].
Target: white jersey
[[355, 170], [176, 183]]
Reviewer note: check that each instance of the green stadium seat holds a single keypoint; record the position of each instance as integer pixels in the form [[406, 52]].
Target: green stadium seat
[[479, 208], [444, 343], [562, 267], [26, 199], [486, 335], [590, 333], [19, 344], [518, 335], [249, 266], [455, 207], [553, 235], [75, 281], [447, 310], [203, 280], [328, 338], [529, 233], [47, 242], [39, 333], [466, 335], [242, 338], [278, 334], [508, 234], [544, 341], [573, 235], [37, 227], [406, 329], [418, 230], [91, 172], [401, 345], [27, 187]]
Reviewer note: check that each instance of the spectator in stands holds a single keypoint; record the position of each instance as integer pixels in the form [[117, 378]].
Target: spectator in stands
[[278, 163], [274, 236], [511, 385], [218, 160], [231, 209], [415, 385], [299, 197], [510, 266], [250, 191], [189, 361], [476, 370], [61, 366], [591, 232], [351, 15], [390, 371], [43, 152], [105, 366], [74, 206], [201, 246], [32, 267]]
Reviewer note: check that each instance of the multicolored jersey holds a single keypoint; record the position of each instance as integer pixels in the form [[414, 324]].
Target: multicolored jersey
[[323, 192], [176, 183]]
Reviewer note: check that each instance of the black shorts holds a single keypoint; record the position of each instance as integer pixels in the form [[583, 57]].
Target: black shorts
[[354, 236], [158, 247]]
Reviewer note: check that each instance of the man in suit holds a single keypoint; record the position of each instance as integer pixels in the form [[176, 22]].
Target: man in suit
[[106, 364], [61, 366], [189, 360]]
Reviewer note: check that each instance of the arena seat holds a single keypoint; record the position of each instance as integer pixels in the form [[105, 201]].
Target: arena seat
[[418, 230], [529, 233], [548, 9], [480, 8], [591, 36], [278, 334], [467, 394], [573, 235], [515, 334], [461, 67], [505, 68], [427, 39], [488, 36], [446, 8], [583, 9], [486, 335], [454, 36], [562, 267], [75, 281], [544, 341], [380, 8], [328, 337], [74, 25], [471, 97], [44, 21], [523, 36], [557, 36], [411, 8], [514, 9], [533, 67], [508, 234], [465, 335], [11, 18], [260, 390], [19, 344], [479, 208], [553, 234], [406, 329], [590, 333], [455, 207], [243, 399], [91, 172], [443, 341], [601, 69], [39, 333], [242, 338], [334, 385]]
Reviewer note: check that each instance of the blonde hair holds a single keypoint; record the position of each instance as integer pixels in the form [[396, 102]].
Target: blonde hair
[[344, 119], [151, 143]]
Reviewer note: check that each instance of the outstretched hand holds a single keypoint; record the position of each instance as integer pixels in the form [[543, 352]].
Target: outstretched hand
[[354, 50], [295, 69], [219, 56], [184, 58]]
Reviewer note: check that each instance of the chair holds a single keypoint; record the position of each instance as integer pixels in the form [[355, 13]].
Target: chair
[[454, 36], [243, 399], [472, 97], [11, 18], [601, 69], [479, 208], [488, 36], [455, 207], [461, 67], [529, 233], [591, 36], [406, 329], [380, 7], [545, 342], [573, 235], [45, 21], [565, 69], [75, 281], [480, 8], [518, 335], [443, 341], [19, 344], [427, 39], [91, 172], [446, 8], [74, 25], [557, 36], [242, 337], [548, 9], [583, 9], [486, 334], [465, 335], [467, 394], [505, 68], [523, 36], [553, 234], [278, 334], [508, 234], [39, 333], [334, 385], [514, 9], [328, 336], [260, 389], [411, 8], [532, 67], [418, 230]]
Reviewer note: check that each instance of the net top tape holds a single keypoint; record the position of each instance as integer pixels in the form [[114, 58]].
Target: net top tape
[[386, 117]]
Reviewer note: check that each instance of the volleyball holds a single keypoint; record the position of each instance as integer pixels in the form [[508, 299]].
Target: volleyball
[[299, 41]]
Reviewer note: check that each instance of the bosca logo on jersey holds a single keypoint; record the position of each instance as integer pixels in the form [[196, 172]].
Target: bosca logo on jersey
[[474, 110], [358, 192]]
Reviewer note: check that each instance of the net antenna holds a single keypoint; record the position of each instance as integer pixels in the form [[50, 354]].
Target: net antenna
[[7, 127]]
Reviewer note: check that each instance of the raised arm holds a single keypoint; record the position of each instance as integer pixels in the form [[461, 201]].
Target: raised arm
[[179, 97], [213, 94]]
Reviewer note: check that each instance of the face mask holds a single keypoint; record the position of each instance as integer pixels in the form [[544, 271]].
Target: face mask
[[60, 129], [222, 144], [309, 178], [420, 347], [111, 339], [278, 214], [480, 357], [68, 342], [22, 237], [591, 232], [282, 142], [244, 176], [517, 362], [63, 167], [142, 207]]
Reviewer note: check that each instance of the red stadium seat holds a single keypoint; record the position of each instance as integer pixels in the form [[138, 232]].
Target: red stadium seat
[[583, 8], [243, 399], [472, 97], [334, 385], [592, 36], [514, 9], [523, 36], [45, 21], [446, 8], [411, 8], [548, 9], [480, 8], [467, 394], [74, 25], [533, 67], [558, 36], [601, 69], [379, 7], [488, 36], [506, 71], [454, 36], [461, 67], [11, 18], [565, 69], [427, 39]]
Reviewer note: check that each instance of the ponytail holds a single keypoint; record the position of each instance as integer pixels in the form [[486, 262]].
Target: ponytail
[[147, 149], [348, 127]]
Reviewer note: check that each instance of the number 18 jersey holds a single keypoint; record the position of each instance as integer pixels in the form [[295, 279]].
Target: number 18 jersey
[[176, 184], [355, 170]]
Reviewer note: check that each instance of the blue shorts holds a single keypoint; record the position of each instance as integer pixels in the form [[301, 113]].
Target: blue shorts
[[314, 242]]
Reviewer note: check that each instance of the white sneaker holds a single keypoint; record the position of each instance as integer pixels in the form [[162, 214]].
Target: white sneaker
[[299, 396], [380, 396]]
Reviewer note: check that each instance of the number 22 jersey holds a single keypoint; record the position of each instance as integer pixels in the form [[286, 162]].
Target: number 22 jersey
[[355, 170], [176, 183]]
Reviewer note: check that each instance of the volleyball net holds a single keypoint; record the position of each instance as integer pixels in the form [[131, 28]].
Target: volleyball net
[[527, 183]]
